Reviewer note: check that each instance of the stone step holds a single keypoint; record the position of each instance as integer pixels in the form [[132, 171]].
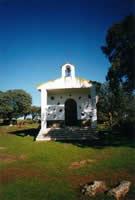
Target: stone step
[[71, 133], [79, 135], [71, 136], [68, 134]]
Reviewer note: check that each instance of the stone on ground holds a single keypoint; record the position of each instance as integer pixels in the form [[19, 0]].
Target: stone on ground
[[121, 190], [94, 188]]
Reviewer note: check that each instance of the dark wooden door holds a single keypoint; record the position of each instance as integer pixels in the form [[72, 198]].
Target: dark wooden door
[[70, 112]]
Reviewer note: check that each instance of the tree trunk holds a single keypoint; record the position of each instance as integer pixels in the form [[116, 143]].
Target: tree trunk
[[110, 119], [25, 115]]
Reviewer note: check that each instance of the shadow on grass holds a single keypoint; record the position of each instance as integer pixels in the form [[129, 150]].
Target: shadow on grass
[[33, 132], [105, 140]]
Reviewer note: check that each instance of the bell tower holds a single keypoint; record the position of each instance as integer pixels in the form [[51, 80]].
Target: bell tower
[[68, 70]]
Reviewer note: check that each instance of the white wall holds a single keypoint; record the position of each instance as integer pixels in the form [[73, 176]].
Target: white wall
[[65, 88], [55, 107]]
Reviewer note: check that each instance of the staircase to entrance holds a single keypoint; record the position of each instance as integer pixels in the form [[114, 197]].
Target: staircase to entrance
[[68, 133]]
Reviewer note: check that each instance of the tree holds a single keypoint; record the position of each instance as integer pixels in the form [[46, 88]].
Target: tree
[[120, 50], [6, 109], [115, 110], [15, 103], [104, 104], [97, 86], [35, 112]]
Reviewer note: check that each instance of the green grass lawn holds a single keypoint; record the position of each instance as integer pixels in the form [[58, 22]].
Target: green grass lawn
[[32, 170]]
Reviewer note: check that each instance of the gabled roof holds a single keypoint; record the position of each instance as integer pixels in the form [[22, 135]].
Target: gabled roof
[[66, 82]]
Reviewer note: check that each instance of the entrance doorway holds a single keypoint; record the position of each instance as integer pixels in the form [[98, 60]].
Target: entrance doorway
[[70, 112]]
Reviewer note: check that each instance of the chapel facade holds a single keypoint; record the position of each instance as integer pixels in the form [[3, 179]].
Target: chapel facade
[[68, 101]]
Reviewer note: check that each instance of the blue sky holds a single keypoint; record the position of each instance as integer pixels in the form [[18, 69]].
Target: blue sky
[[38, 36]]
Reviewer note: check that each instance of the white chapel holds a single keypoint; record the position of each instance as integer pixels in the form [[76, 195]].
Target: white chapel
[[68, 101]]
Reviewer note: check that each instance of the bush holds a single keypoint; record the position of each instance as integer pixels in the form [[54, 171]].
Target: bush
[[8, 122]]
